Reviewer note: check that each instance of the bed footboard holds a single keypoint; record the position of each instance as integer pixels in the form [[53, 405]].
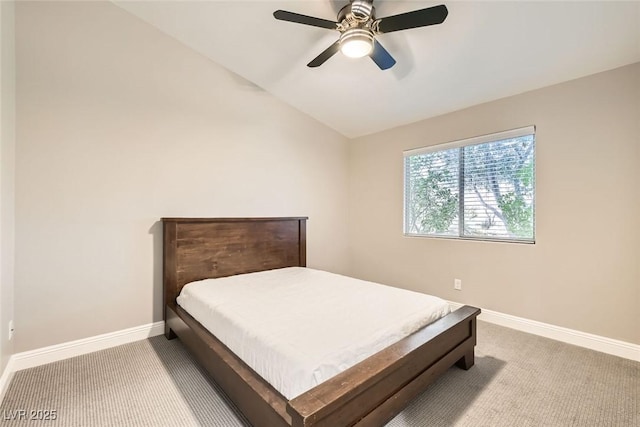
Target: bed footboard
[[375, 390], [367, 394]]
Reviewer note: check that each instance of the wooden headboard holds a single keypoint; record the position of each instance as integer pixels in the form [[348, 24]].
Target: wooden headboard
[[204, 248]]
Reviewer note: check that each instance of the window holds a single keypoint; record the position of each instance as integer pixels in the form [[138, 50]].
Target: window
[[478, 188]]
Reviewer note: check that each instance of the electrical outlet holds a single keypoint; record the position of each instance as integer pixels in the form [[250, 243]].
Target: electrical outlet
[[457, 284], [10, 330]]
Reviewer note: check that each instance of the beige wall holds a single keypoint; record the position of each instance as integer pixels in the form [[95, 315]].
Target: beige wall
[[583, 272], [7, 170], [119, 125]]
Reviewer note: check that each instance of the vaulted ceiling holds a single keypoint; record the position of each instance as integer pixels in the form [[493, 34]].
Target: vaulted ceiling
[[482, 52]]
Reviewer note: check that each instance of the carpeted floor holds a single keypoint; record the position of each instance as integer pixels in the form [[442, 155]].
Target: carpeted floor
[[518, 380]]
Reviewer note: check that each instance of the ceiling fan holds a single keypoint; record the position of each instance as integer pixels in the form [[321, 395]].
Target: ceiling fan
[[358, 27]]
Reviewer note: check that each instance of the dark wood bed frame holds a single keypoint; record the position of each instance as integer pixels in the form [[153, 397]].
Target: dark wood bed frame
[[367, 394]]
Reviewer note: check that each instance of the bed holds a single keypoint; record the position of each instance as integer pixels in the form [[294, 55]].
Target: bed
[[369, 393]]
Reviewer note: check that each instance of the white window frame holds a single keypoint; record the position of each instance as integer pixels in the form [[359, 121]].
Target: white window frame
[[494, 137]]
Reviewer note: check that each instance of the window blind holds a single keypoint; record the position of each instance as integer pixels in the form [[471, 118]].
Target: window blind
[[478, 188]]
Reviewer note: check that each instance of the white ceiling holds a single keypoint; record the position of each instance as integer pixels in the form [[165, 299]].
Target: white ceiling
[[483, 51]]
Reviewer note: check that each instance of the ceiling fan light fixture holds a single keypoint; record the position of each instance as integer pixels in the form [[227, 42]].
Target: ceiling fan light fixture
[[356, 42], [358, 26]]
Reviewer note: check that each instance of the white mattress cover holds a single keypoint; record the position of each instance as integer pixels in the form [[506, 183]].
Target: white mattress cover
[[297, 327]]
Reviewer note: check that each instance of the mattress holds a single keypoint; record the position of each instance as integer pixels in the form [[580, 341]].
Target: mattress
[[297, 327]]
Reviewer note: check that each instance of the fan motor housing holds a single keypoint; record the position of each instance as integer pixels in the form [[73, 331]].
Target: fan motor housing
[[357, 10]]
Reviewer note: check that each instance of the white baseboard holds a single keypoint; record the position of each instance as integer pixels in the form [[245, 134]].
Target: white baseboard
[[41, 356], [5, 379], [570, 336]]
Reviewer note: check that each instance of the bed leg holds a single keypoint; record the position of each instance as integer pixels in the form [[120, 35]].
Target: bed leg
[[168, 332], [466, 361]]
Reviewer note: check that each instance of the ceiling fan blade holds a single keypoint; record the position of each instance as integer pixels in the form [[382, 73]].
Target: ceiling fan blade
[[328, 53], [381, 57], [417, 18], [283, 15]]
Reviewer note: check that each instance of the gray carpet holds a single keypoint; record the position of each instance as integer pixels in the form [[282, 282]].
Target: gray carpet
[[518, 380]]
